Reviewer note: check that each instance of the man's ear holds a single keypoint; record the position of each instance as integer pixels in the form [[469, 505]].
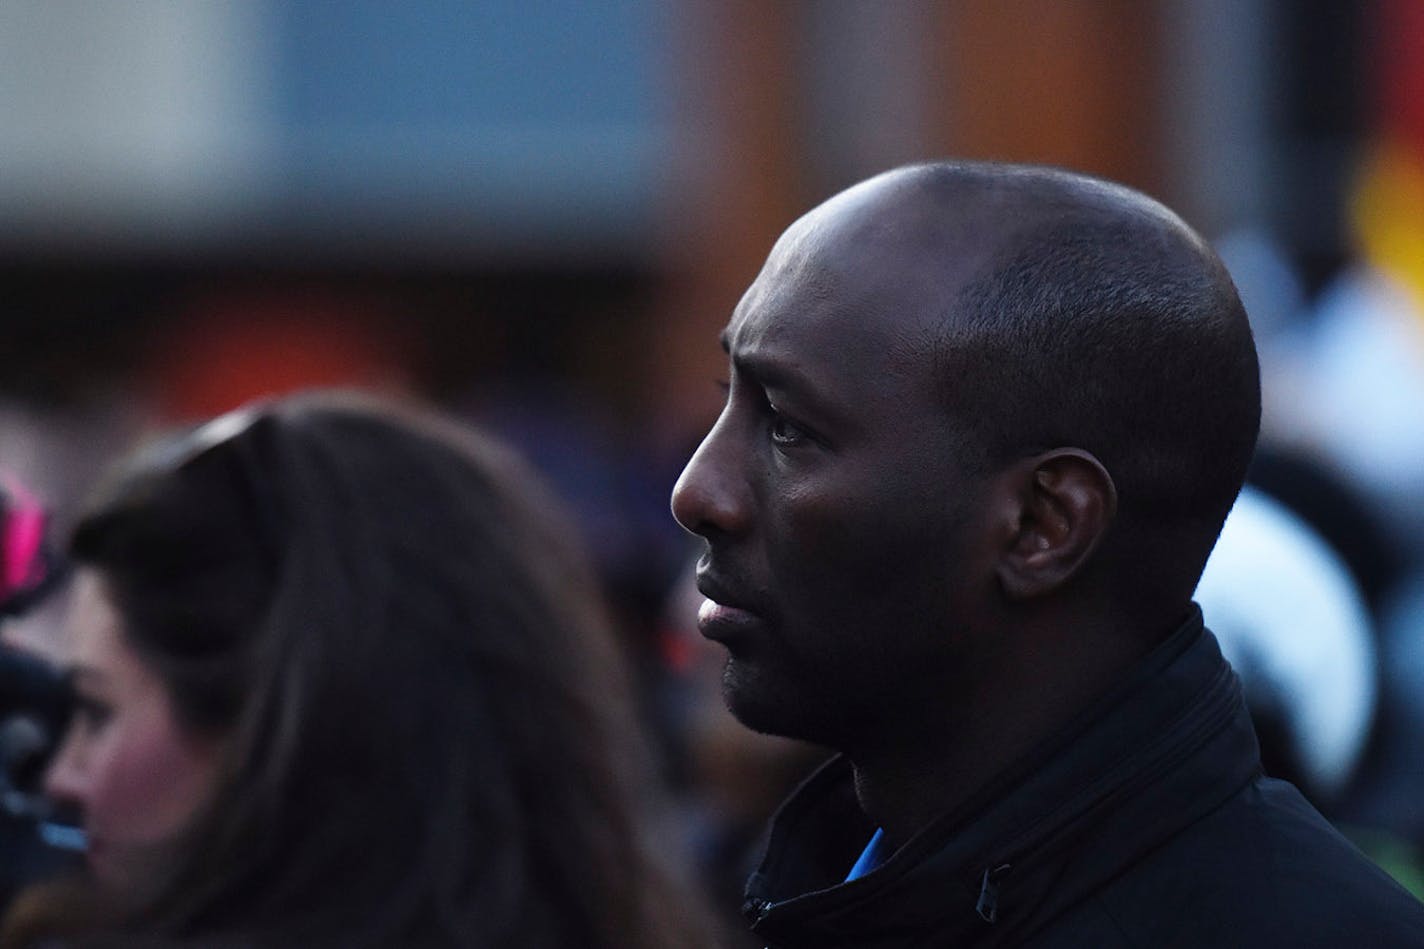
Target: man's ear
[[1063, 502]]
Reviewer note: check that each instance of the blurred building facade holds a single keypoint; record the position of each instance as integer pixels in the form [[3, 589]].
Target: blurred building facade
[[455, 167]]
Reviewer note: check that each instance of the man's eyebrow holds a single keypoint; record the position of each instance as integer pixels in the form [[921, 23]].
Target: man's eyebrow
[[768, 372], [791, 388]]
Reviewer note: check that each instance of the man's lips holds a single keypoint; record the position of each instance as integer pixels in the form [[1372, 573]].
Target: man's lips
[[726, 624], [724, 615]]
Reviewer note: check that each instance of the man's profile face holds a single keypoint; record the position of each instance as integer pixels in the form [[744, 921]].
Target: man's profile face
[[840, 517]]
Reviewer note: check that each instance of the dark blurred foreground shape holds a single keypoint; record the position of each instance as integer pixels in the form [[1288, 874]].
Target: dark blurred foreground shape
[[385, 633]]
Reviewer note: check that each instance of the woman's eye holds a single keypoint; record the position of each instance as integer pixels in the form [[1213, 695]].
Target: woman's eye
[[92, 714]]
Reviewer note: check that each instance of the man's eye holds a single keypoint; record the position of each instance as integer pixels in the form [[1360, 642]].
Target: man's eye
[[785, 432]]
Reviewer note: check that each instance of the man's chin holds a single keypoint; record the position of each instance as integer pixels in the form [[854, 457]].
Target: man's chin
[[768, 704]]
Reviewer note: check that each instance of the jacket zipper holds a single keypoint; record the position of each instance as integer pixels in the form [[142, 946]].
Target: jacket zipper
[[987, 905], [755, 910]]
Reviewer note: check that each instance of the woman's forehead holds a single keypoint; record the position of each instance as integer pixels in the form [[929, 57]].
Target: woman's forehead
[[93, 625]]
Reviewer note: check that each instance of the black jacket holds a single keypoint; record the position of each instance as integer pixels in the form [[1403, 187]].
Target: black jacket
[[1147, 823]]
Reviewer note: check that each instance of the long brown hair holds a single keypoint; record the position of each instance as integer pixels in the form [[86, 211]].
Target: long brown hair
[[429, 737]]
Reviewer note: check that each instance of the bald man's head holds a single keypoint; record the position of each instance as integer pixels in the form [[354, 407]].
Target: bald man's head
[[1091, 317], [967, 405]]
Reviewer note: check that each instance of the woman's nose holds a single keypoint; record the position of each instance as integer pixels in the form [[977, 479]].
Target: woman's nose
[[65, 781]]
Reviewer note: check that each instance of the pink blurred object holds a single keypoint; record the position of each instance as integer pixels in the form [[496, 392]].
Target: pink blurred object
[[24, 568]]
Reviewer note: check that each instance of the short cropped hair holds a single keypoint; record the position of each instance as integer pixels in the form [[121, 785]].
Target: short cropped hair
[[1103, 323]]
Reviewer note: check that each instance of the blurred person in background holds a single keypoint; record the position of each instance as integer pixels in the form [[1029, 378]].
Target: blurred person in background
[[982, 428], [342, 680], [1295, 625], [34, 698]]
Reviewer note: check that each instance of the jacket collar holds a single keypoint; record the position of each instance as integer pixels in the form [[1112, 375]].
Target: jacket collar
[[1171, 743]]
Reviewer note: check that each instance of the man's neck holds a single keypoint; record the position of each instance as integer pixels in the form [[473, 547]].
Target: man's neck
[[946, 756], [902, 801]]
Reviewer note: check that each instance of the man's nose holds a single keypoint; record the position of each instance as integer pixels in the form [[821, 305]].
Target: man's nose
[[712, 495]]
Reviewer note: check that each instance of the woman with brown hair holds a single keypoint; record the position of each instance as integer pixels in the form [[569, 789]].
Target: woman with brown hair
[[342, 681]]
